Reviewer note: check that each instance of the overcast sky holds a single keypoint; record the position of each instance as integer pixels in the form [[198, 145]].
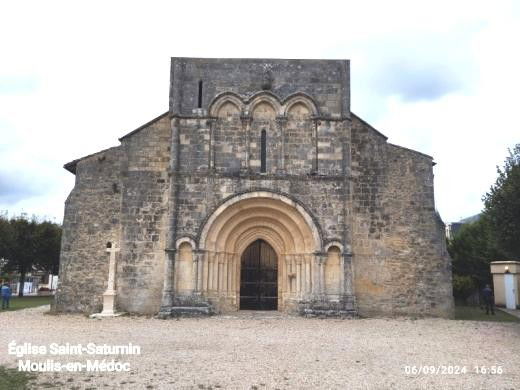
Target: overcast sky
[[438, 77]]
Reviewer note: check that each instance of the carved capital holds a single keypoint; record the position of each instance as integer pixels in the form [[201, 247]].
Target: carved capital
[[320, 257]]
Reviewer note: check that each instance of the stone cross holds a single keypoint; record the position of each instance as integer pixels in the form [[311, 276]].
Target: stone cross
[[112, 267], [110, 293]]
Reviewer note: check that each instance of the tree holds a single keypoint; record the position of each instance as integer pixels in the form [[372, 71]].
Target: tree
[[48, 236], [472, 249], [26, 244], [495, 236], [5, 237], [502, 205]]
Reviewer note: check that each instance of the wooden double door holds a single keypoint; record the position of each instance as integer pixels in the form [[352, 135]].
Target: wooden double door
[[259, 277]]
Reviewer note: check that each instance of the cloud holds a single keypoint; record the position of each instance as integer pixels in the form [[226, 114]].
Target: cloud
[[413, 81], [15, 187], [422, 66]]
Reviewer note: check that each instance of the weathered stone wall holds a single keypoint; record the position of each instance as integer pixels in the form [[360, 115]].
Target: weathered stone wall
[[327, 81], [200, 195], [418, 260], [400, 262], [202, 189], [92, 218], [120, 195], [144, 217], [300, 148], [230, 145]]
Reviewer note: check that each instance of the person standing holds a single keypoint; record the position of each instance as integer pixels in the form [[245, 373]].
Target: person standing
[[487, 293], [6, 296]]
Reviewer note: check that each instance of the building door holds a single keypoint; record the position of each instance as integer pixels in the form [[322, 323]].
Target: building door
[[509, 284], [259, 277]]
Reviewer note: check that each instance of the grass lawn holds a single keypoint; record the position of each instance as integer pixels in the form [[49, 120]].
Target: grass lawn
[[475, 313], [17, 303], [12, 379]]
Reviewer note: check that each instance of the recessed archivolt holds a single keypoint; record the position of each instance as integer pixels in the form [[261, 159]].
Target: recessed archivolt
[[332, 245], [263, 110], [258, 213], [298, 111], [266, 234], [224, 104], [282, 238], [299, 106], [264, 101], [284, 223], [228, 110], [182, 240], [263, 105]]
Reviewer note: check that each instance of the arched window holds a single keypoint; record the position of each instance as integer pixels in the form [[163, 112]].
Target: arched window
[[263, 151]]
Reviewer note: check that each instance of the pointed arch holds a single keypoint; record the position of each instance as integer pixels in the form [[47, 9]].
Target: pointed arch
[[226, 98], [264, 98], [300, 98]]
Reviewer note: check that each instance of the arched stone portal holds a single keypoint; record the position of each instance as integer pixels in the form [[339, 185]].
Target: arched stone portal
[[259, 277], [243, 220]]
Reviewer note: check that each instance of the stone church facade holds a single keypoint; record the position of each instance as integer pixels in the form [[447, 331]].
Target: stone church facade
[[258, 189]]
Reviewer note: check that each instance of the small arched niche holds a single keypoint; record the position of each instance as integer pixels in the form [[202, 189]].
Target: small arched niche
[[228, 110], [184, 268], [264, 111], [333, 271]]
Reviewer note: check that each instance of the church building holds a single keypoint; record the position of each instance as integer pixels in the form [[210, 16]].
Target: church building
[[258, 189]]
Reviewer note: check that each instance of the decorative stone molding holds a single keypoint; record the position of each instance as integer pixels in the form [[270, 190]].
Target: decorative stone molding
[[187, 239], [273, 194], [330, 244], [246, 106], [285, 200]]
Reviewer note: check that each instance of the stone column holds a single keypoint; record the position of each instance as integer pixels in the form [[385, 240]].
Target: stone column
[[201, 255], [211, 152], [298, 275], [230, 271], [308, 285], [280, 123], [198, 256], [215, 275], [347, 286], [321, 259], [246, 129], [316, 123], [225, 274], [222, 273], [170, 252], [283, 264], [291, 274], [236, 276], [168, 286], [194, 270], [205, 273], [211, 269]]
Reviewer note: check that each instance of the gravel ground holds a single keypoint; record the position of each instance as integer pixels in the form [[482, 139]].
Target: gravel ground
[[271, 351]]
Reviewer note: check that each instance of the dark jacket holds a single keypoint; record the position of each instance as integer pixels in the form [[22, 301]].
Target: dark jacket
[[487, 293], [6, 291]]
